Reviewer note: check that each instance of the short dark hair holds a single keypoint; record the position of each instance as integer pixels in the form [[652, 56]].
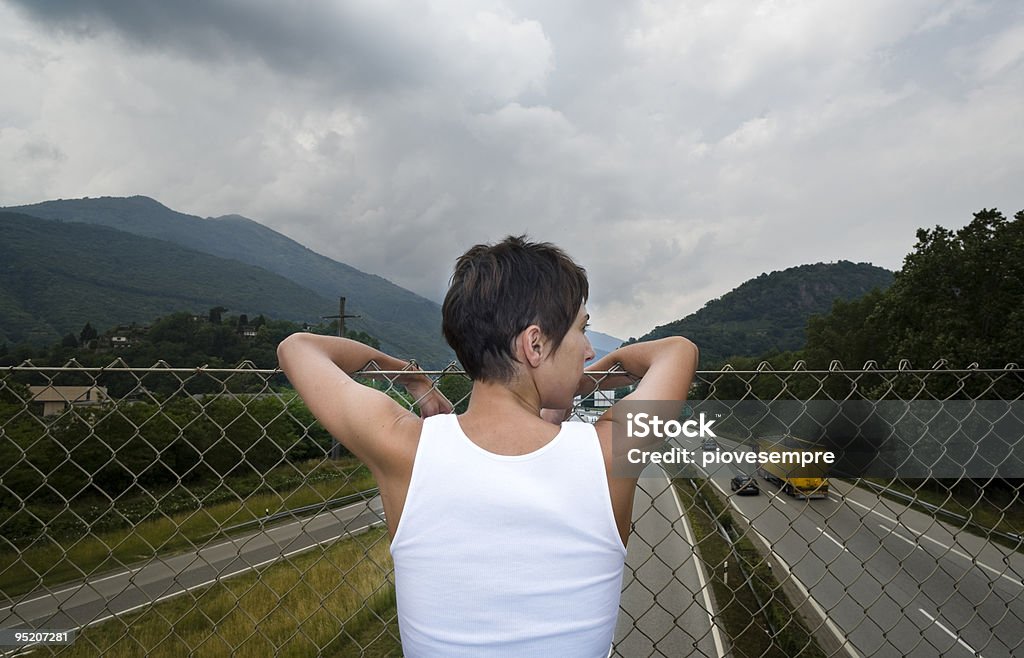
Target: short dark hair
[[499, 290]]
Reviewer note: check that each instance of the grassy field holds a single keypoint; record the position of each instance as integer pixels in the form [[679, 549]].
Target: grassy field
[[337, 601], [49, 562]]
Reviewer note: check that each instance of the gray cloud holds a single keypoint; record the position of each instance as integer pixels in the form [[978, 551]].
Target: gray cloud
[[40, 150], [676, 149], [343, 47], [311, 39]]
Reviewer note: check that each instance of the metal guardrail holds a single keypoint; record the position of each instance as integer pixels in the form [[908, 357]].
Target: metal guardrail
[[296, 513], [110, 473], [1016, 540]]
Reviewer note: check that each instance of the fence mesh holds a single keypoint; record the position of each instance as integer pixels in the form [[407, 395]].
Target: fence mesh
[[164, 510]]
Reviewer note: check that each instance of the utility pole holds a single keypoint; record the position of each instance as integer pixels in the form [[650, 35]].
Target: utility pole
[[340, 317], [336, 447]]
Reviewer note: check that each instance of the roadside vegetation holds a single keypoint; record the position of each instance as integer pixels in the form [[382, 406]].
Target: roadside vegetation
[[755, 612]]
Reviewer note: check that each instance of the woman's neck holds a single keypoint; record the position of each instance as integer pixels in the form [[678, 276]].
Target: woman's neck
[[490, 399]]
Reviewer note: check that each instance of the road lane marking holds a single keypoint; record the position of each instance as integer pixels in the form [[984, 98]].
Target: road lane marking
[[829, 537], [892, 532], [699, 567], [950, 633], [874, 511], [71, 588], [971, 559], [950, 549], [717, 486]]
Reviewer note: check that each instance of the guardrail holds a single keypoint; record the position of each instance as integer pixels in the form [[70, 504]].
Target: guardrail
[[297, 513], [1015, 540]]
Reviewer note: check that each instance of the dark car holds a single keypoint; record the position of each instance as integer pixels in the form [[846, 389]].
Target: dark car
[[709, 444], [744, 485]]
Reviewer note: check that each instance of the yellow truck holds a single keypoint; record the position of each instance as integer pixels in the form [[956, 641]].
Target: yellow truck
[[807, 480]]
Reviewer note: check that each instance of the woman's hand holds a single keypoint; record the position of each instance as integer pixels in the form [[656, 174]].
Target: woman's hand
[[430, 400]]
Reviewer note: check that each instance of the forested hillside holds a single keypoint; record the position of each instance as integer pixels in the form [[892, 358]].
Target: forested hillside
[[957, 303], [58, 276], [770, 313], [407, 324]]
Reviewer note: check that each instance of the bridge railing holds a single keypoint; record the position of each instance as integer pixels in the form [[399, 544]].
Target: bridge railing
[[165, 510]]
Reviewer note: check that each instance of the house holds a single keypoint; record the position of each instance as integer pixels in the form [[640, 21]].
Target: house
[[603, 399], [126, 335], [55, 399]]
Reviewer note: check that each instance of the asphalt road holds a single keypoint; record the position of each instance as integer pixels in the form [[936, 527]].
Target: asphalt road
[[101, 598], [666, 607], [892, 581]]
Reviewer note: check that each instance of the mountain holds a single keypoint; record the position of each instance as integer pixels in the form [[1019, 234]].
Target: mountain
[[406, 324], [602, 343], [57, 276], [770, 312]]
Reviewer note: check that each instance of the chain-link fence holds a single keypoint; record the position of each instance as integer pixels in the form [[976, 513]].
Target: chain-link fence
[[172, 511]]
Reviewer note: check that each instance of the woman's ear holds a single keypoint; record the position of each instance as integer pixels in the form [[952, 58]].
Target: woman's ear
[[531, 344]]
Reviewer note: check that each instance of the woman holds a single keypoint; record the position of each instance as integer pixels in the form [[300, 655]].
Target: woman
[[508, 526]]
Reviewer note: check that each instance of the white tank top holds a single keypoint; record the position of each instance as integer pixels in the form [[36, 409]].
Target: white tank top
[[507, 555]]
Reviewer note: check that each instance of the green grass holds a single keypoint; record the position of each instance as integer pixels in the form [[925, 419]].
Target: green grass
[[50, 562], [739, 610], [337, 601]]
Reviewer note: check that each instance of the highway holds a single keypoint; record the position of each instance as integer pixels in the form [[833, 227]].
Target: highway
[[665, 601], [667, 604], [892, 581], [106, 596]]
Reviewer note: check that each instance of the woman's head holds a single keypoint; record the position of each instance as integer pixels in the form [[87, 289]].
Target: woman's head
[[499, 290]]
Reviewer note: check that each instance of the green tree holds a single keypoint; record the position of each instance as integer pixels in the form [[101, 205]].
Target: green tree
[[215, 314], [457, 389], [87, 334], [960, 295], [363, 337], [852, 333]]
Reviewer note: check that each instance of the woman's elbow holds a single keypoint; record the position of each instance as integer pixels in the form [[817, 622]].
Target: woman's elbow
[[682, 343], [286, 349]]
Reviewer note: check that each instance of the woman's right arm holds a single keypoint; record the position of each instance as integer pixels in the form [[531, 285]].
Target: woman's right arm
[[364, 419], [662, 369]]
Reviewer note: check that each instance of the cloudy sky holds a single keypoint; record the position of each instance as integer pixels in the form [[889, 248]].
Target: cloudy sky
[[674, 148]]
